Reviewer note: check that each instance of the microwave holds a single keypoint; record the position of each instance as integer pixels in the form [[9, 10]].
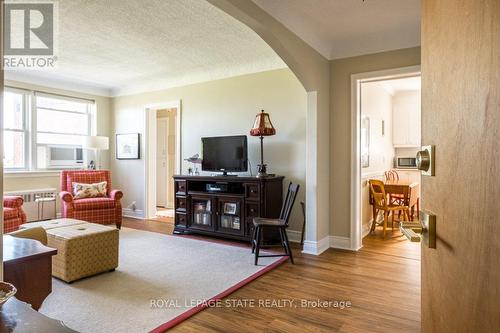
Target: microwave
[[406, 162]]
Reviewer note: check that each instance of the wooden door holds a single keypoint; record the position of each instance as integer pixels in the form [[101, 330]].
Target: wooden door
[[461, 117], [1, 141]]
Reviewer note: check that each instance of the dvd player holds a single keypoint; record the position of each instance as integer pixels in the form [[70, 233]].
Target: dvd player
[[217, 187]]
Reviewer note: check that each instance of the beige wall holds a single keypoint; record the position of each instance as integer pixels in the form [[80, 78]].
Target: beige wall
[[47, 180], [224, 107], [340, 125]]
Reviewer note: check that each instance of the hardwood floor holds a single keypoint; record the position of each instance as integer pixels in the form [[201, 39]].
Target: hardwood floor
[[163, 226], [382, 282]]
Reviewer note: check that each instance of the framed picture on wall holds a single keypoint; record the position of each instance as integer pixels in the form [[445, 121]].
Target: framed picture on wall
[[128, 146]]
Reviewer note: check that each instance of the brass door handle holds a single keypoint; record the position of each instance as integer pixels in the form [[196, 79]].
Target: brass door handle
[[425, 160], [425, 230], [411, 230]]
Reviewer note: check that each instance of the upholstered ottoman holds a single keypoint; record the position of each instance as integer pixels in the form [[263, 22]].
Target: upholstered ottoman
[[51, 224], [83, 250]]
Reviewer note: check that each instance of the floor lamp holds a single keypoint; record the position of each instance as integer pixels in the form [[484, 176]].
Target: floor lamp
[[96, 143]]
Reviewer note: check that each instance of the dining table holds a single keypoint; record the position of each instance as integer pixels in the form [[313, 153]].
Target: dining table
[[409, 190]]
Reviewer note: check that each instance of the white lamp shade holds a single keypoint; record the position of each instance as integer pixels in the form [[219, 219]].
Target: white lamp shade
[[96, 142]]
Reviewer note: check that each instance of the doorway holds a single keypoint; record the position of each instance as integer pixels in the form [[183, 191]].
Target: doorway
[[386, 135], [163, 159]]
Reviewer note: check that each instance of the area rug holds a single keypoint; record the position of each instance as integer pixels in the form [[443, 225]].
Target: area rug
[[161, 280]]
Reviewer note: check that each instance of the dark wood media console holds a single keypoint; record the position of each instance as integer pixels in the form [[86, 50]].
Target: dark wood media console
[[229, 211]]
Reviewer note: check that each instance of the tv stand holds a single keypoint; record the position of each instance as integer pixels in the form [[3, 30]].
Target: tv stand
[[227, 214]]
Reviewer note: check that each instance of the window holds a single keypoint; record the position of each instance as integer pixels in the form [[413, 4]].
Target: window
[[15, 133], [60, 125], [39, 126]]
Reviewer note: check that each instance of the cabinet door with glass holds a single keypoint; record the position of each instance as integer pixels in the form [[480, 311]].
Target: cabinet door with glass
[[230, 215], [202, 208]]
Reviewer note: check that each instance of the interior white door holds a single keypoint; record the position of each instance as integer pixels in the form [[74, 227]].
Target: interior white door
[[161, 161]]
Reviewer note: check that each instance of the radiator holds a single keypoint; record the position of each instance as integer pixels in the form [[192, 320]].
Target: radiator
[[33, 209]]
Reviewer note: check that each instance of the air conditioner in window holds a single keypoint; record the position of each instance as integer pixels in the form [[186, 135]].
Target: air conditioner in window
[[60, 156]]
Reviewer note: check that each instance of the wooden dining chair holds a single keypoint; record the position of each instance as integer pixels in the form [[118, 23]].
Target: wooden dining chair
[[281, 223], [396, 199], [380, 201], [389, 176]]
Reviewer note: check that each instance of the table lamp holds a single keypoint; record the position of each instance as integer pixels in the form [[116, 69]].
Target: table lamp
[[96, 143], [262, 127]]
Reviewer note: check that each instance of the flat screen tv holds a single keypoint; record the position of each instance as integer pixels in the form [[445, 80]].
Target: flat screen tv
[[225, 154]]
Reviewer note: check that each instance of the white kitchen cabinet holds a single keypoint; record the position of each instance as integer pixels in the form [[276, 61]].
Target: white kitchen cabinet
[[409, 175], [406, 119]]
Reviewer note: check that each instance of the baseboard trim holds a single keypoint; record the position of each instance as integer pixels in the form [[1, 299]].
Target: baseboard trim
[[366, 229], [294, 236], [342, 243], [335, 242], [135, 214], [316, 248]]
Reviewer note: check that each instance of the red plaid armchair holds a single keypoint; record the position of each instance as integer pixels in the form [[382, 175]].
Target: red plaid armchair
[[13, 214], [104, 210]]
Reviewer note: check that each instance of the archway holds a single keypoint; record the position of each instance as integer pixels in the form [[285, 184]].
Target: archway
[[313, 71]]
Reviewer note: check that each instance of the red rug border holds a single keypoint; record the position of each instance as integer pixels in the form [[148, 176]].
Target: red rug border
[[189, 313]]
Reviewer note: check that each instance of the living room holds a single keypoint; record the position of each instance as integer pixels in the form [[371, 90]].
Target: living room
[[53, 123], [258, 232]]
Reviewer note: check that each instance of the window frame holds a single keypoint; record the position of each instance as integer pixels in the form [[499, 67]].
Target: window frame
[[25, 128], [31, 132]]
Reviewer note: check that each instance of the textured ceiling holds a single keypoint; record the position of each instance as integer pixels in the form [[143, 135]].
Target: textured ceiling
[[129, 46], [344, 28]]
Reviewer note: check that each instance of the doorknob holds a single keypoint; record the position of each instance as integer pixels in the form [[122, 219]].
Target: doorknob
[[426, 228], [425, 160]]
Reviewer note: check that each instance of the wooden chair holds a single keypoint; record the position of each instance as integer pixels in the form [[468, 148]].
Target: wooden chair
[[381, 203], [396, 199], [390, 176], [399, 199], [281, 223]]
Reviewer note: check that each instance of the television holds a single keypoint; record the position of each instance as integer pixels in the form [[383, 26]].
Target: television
[[225, 154]]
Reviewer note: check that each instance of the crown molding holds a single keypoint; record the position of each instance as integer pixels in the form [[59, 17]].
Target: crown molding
[[50, 81]]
